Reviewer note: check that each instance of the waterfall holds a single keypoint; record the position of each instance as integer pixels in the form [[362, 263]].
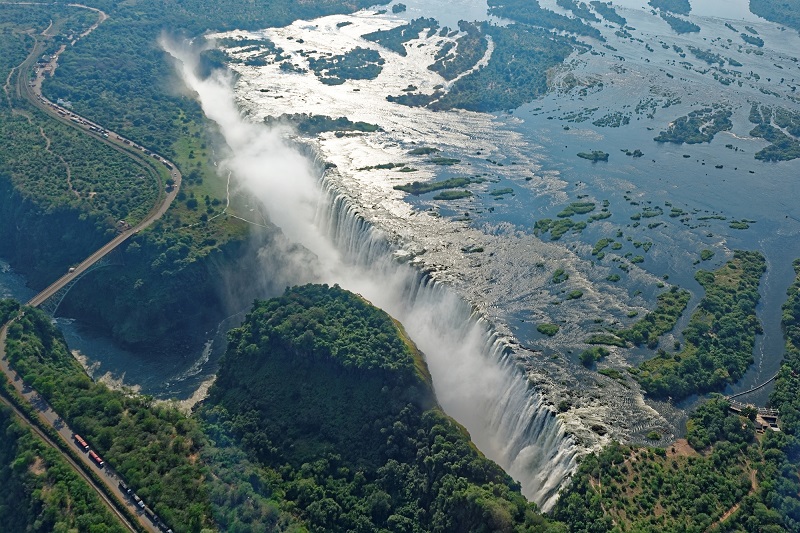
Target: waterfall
[[475, 376]]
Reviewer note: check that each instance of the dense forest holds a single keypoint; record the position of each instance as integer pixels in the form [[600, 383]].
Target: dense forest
[[780, 11], [52, 175], [362, 445], [40, 491]]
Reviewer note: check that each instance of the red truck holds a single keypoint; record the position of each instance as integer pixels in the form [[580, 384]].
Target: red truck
[[82, 444], [96, 458]]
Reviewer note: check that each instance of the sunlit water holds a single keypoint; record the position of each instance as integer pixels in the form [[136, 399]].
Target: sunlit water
[[533, 151]]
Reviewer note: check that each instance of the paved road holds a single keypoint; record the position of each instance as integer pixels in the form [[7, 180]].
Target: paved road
[[135, 151], [46, 414]]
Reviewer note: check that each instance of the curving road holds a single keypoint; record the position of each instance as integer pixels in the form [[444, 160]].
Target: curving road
[[46, 415], [137, 152]]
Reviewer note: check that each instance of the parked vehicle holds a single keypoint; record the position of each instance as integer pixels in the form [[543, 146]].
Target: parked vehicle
[[82, 444], [96, 458]]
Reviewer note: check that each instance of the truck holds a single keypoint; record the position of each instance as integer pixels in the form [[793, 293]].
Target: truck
[[96, 458], [82, 444]]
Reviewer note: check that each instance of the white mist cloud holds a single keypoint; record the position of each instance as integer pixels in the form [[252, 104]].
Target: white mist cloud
[[278, 175]]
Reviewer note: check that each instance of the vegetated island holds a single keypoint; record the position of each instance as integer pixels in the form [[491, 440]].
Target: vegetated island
[[699, 126], [670, 305], [315, 124], [682, 7], [608, 12], [458, 56], [356, 64], [453, 195], [579, 9], [416, 188], [752, 39], [781, 128], [719, 337], [548, 329], [594, 155], [678, 24], [564, 223]]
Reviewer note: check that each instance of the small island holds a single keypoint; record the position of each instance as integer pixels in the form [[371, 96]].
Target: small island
[[594, 155]]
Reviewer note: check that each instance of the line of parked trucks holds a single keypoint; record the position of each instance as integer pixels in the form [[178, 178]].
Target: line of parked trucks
[[65, 113], [97, 460]]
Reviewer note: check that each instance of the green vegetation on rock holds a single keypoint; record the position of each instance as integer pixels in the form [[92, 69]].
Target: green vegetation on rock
[[591, 355], [453, 195], [416, 188], [557, 228], [669, 307], [594, 155], [559, 276], [576, 208], [548, 329], [601, 245]]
